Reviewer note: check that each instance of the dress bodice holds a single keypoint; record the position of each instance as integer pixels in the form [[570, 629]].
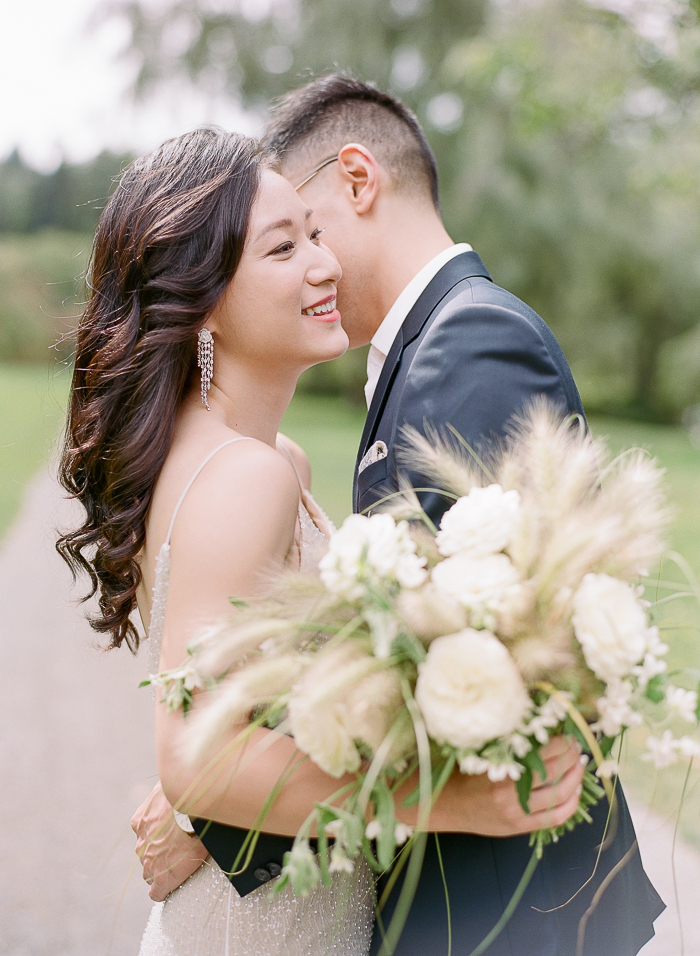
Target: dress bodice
[[311, 541]]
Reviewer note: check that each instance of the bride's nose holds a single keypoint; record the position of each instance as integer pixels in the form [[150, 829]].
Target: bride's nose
[[325, 268]]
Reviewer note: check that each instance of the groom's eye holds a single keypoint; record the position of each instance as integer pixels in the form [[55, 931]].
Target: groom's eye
[[316, 234]]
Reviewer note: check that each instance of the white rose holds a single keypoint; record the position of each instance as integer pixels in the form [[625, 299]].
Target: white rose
[[610, 624], [482, 522], [343, 698], [469, 690], [477, 583]]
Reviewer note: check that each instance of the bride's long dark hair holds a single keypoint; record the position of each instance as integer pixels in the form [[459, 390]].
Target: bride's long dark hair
[[167, 245]]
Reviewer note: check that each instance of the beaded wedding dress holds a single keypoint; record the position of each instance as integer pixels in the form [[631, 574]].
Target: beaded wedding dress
[[206, 916]]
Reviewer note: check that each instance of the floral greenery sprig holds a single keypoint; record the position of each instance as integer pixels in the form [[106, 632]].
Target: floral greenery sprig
[[421, 652]]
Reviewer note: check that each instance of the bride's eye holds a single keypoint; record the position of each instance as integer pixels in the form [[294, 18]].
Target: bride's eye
[[285, 247], [316, 234]]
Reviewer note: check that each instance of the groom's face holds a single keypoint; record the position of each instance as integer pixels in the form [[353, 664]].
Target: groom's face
[[346, 236]]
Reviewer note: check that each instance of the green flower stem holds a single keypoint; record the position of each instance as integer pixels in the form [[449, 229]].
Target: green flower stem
[[420, 837]]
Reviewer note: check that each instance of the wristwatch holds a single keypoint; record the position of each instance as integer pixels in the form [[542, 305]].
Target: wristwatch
[[183, 822]]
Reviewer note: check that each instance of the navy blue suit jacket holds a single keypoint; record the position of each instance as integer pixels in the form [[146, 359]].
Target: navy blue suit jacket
[[471, 355]]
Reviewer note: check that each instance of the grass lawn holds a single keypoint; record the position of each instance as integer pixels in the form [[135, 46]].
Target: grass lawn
[[329, 430], [31, 409], [32, 403]]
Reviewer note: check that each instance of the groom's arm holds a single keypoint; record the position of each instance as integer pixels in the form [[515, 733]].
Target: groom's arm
[[478, 366]]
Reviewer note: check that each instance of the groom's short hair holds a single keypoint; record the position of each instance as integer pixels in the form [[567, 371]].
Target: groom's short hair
[[318, 119]]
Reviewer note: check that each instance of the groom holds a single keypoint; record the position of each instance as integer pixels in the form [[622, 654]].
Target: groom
[[448, 347]]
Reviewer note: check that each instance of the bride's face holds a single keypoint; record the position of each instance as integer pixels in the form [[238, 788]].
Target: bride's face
[[279, 309]]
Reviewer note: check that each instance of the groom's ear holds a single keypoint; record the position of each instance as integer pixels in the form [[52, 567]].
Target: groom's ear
[[361, 175]]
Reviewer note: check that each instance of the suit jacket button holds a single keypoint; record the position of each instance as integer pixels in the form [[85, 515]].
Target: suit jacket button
[[274, 869], [262, 874]]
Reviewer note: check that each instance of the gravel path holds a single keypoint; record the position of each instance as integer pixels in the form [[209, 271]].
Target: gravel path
[[76, 757]]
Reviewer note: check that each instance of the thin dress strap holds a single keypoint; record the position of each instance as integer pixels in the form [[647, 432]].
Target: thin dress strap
[[196, 475], [285, 449], [162, 576]]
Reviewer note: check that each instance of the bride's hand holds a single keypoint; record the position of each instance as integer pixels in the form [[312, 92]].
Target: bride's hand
[[168, 855], [474, 804]]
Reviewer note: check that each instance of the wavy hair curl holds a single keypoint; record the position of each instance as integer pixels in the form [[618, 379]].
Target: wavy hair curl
[[167, 244]]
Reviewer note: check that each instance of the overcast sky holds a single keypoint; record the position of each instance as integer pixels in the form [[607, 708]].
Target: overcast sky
[[62, 90]]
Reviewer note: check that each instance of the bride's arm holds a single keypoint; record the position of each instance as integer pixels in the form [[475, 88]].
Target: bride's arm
[[233, 532], [235, 528]]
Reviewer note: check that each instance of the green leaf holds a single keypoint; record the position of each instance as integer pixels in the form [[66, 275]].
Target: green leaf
[[145, 683], [410, 646], [655, 689], [571, 729], [322, 838], [606, 744], [523, 787], [238, 602], [384, 814], [534, 762]]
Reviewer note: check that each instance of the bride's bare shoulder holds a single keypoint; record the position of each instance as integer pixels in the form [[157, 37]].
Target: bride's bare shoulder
[[299, 458], [244, 482]]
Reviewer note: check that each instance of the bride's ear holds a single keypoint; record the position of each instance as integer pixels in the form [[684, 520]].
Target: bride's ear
[[361, 174]]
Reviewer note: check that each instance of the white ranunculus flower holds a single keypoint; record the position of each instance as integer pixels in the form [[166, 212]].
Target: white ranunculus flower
[[366, 551], [473, 764], [469, 690], [662, 751], [340, 699], [615, 709], [477, 583], [482, 522], [402, 833], [682, 702], [607, 769], [611, 625], [340, 861]]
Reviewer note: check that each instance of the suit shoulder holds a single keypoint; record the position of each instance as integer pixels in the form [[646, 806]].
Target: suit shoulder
[[480, 302]]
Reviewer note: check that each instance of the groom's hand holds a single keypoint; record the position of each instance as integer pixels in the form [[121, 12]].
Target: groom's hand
[[168, 855], [475, 804]]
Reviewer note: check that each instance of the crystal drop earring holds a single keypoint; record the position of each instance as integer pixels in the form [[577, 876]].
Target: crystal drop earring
[[205, 362]]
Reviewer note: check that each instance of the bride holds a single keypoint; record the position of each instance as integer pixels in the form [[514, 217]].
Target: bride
[[205, 256]]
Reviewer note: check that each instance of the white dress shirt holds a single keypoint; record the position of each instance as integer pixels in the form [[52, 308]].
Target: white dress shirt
[[383, 338]]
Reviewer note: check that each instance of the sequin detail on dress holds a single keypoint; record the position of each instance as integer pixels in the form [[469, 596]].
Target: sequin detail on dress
[[207, 917]]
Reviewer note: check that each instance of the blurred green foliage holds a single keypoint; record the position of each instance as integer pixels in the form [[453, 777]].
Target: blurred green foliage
[[567, 136], [68, 199], [41, 287]]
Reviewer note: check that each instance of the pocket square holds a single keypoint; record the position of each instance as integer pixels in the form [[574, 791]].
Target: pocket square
[[375, 453]]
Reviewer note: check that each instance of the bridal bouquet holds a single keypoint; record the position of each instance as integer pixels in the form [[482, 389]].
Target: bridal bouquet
[[424, 651]]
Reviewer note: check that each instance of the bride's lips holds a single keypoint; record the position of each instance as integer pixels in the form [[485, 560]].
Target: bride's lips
[[329, 317]]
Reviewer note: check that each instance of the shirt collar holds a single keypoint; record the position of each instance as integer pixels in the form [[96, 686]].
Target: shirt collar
[[384, 337]]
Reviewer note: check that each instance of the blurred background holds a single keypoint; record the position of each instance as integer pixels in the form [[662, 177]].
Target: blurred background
[[567, 135]]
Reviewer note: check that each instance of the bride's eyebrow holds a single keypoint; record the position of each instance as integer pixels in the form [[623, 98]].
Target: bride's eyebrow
[[280, 224]]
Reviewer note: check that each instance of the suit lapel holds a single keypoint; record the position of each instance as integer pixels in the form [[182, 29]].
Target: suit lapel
[[464, 266]]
